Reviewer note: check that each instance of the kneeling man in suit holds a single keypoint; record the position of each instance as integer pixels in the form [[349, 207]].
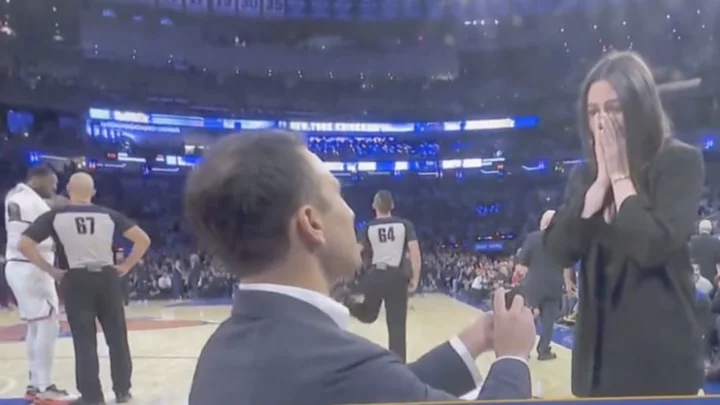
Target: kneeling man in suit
[[274, 213]]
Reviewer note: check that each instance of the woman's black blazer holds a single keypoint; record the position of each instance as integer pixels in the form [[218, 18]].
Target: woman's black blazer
[[637, 332]]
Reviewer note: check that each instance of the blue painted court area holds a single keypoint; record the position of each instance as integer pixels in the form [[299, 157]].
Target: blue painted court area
[[201, 302]]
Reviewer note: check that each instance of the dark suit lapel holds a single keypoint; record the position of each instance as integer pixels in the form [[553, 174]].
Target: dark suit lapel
[[266, 304]]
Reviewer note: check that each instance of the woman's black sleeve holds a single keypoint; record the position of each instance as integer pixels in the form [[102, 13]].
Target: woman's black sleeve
[[568, 236], [655, 227]]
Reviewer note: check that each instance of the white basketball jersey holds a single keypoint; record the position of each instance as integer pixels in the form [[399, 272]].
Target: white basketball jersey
[[22, 207]]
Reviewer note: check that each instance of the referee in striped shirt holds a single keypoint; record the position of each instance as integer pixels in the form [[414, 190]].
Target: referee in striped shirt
[[391, 249], [83, 234]]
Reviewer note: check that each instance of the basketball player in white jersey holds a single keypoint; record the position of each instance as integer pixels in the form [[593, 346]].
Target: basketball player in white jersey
[[33, 288]]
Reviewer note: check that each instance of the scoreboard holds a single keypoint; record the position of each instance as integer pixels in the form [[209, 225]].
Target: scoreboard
[[364, 10]]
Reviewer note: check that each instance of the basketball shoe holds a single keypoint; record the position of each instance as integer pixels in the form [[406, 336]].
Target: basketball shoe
[[30, 393], [52, 396]]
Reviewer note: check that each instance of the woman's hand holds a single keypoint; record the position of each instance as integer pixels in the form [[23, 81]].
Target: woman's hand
[[602, 180], [614, 150], [595, 195]]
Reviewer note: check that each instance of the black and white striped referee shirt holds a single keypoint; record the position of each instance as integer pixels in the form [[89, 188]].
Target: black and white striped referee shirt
[[385, 241], [83, 234]]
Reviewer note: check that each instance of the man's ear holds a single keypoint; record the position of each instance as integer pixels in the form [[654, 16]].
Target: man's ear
[[310, 226]]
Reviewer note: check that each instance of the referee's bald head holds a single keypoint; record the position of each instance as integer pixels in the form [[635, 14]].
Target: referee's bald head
[[265, 205], [81, 187], [705, 227]]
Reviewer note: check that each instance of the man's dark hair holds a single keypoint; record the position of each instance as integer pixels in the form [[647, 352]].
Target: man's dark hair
[[39, 172], [384, 201], [241, 198]]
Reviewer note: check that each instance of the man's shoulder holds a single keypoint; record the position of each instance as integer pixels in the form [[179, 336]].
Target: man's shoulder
[[21, 195], [84, 208], [323, 343], [381, 221], [26, 202], [273, 330], [704, 239], [388, 220], [15, 201], [317, 362], [247, 350]]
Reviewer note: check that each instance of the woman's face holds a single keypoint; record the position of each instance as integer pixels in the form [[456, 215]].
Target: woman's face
[[602, 104]]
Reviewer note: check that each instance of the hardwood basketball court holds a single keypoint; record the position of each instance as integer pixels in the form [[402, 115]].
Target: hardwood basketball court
[[166, 339]]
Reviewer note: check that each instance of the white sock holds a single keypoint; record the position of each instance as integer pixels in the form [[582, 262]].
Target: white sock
[[47, 332], [30, 337]]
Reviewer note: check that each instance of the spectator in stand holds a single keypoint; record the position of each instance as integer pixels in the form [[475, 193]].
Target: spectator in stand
[[705, 250]]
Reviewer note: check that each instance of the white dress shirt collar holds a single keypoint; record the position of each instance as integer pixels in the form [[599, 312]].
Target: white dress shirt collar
[[336, 311]]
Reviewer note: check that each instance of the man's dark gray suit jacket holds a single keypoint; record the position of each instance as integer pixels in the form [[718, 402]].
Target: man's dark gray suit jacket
[[544, 280], [279, 350]]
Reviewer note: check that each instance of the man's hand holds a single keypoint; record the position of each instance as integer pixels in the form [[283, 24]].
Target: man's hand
[[514, 328], [122, 269], [412, 286], [57, 274], [478, 337]]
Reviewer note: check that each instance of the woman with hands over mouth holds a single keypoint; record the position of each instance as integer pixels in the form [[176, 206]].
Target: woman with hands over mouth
[[628, 215]]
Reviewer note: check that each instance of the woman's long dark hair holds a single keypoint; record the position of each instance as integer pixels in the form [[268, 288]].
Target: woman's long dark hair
[[646, 124]]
